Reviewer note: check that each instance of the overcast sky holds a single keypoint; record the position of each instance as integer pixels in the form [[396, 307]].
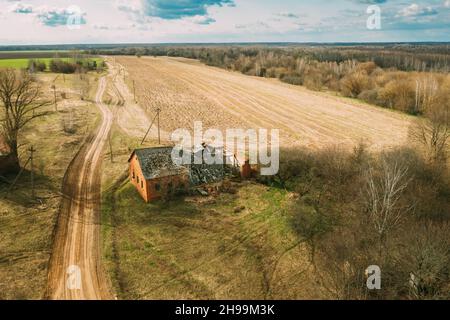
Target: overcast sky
[[156, 21]]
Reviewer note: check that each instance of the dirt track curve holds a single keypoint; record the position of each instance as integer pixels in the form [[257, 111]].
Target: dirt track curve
[[75, 271]]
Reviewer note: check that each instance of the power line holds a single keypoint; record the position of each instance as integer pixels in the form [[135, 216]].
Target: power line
[[32, 150], [157, 117]]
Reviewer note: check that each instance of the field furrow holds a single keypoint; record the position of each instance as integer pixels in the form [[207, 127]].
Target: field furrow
[[188, 91]]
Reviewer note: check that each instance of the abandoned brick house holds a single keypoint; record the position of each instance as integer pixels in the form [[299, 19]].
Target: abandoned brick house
[[154, 174]]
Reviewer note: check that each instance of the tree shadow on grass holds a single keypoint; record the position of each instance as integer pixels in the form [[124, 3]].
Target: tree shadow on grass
[[21, 192]]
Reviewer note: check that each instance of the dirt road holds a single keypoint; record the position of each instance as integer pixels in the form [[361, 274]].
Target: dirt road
[[131, 118], [75, 271]]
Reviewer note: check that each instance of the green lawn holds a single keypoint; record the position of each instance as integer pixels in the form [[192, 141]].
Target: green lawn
[[23, 63]]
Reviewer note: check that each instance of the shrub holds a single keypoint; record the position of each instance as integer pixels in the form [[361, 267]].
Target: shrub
[[370, 96], [354, 83], [399, 94], [36, 66], [60, 66], [329, 213]]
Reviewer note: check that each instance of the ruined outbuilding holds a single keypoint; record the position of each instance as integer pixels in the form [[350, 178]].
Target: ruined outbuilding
[[154, 173]]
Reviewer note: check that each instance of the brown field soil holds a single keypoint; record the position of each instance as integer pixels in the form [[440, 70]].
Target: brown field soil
[[129, 115], [189, 91]]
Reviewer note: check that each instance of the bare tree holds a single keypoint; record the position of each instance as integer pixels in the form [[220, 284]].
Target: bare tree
[[433, 132], [21, 101], [383, 194], [83, 86]]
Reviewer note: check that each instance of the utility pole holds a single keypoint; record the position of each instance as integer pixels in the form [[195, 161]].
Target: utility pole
[[134, 91], [18, 176], [32, 150], [54, 94], [110, 148], [159, 133], [153, 121]]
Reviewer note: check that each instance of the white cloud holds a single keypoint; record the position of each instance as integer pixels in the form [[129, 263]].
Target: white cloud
[[54, 17], [250, 20], [130, 6], [415, 10], [21, 8], [203, 20]]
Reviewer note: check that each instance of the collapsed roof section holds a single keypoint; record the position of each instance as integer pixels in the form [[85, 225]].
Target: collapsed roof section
[[158, 163]]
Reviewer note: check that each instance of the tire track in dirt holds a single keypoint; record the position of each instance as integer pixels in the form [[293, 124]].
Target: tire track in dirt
[[77, 236]]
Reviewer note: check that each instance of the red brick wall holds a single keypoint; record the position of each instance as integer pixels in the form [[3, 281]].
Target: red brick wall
[[156, 188], [137, 178]]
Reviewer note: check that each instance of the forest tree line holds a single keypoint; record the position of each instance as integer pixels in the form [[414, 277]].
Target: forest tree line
[[403, 78]]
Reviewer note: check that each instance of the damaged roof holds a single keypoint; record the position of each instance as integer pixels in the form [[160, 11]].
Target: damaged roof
[[157, 163], [200, 174]]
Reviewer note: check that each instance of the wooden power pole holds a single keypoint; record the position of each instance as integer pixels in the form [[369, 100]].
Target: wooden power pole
[[153, 121], [134, 91], [32, 150], [54, 94], [159, 132]]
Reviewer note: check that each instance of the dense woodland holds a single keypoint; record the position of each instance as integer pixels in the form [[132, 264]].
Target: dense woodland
[[396, 77], [357, 209]]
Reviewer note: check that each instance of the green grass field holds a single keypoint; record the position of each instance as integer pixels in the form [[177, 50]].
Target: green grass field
[[35, 54], [23, 63]]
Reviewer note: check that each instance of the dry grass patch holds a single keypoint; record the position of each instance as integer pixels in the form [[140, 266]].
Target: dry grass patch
[[195, 249], [26, 226]]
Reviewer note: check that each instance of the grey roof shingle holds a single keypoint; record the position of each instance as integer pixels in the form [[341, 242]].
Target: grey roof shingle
[[157, 163]]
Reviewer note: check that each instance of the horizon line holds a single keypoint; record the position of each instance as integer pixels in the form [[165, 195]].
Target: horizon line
[[226, 43]]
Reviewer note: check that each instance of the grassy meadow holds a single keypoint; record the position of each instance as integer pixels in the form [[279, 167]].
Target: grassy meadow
[[26, 225], [236, 245]]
